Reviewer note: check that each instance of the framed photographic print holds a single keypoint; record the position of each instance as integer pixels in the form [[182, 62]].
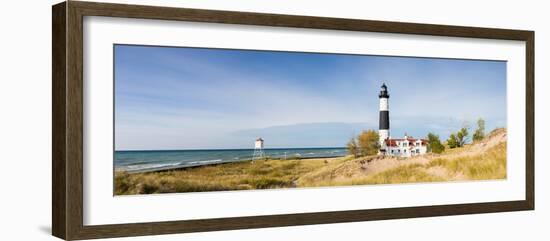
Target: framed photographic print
[[170, 120]]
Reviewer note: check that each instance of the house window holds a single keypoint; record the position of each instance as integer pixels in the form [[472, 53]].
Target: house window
[[417, 151], [404, 151]]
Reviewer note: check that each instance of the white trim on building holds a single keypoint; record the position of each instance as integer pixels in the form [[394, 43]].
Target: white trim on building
[[405, 147]]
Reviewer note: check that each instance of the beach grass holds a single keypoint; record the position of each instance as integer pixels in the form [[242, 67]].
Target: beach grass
[[489, 165], [410, 173], [480, 161], [262, 174]]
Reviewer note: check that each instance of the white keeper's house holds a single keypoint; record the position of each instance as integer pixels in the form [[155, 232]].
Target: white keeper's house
[[403, 147]]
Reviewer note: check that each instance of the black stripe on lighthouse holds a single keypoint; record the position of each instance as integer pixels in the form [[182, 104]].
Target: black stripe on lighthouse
[[384, 123]]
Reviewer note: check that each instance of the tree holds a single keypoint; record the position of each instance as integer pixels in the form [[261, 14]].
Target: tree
[[434, 144], [368, 143], [451, 142], [353, 149], [479, 134], [458, 139], [462, 137]]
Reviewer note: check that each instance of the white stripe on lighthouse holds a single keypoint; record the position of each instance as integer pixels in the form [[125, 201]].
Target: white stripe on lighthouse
[[384, 104]]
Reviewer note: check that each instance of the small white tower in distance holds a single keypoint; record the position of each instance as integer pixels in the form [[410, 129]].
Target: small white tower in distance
[[258, 149], [384, 124]]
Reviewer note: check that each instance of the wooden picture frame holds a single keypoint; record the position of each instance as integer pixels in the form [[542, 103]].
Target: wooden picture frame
[[67, 124]]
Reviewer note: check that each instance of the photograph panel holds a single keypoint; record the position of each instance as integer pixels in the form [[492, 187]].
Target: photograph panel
[[204, 119]]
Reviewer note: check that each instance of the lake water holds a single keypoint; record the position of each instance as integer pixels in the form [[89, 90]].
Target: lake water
[[146, 160]]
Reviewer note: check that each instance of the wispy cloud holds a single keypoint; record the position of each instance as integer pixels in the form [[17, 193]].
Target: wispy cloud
[[172, 98]]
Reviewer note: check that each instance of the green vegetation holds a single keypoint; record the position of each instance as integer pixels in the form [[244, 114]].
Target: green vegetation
[[479, 134], [451, 142], [364, 144], [484, 160], [434, 144], [458, 139]]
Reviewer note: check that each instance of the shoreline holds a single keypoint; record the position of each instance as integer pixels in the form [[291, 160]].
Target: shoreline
[[231, 149], [195, 165], [482, 160]]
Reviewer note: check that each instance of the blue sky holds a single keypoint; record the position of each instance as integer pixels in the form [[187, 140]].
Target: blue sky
[[193, 98]]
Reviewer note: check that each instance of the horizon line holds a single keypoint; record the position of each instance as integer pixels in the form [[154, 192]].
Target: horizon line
[[233, 149]]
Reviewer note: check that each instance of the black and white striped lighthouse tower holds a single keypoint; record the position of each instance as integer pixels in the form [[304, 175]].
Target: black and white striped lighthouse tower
[[384, 124]]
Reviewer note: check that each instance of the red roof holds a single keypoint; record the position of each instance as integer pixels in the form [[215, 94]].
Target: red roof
[[393, 142]]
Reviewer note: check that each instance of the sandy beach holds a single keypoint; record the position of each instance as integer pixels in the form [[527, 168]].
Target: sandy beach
[[480, 161]]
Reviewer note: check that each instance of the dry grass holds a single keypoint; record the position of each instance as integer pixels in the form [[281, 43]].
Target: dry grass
[[489, 165], [484, 160], [231, 176], [410, 173]]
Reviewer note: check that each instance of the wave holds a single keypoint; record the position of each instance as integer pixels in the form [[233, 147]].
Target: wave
[[151, 165], [204, 162], [136, 161], [145, 166]]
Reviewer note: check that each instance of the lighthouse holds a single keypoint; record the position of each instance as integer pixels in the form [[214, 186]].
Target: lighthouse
[[384, 123], [399, 147]]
